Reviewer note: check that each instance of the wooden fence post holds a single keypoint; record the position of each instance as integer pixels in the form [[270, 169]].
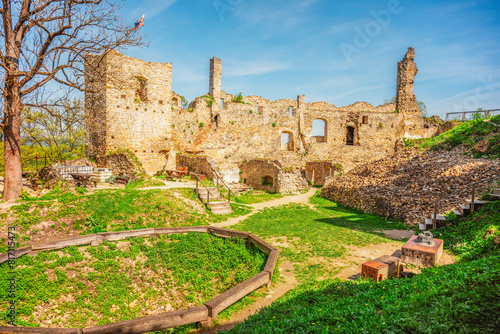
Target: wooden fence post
[[473, 195], [435, 216]]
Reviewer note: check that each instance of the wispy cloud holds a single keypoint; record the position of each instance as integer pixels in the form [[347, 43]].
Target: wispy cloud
[[256, 67], [151, 8]]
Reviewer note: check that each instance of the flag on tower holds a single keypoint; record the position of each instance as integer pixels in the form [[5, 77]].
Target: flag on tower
[[139, 22]]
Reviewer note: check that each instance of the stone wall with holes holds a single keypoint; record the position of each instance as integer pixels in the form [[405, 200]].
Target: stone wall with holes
[[137, 113], [269, 175], [317, 171], [141, 113]]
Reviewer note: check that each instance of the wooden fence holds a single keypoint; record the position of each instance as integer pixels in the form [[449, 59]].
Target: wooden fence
[[203, 314]]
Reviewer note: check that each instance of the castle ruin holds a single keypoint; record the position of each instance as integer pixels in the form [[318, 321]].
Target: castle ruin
[[130, 105]]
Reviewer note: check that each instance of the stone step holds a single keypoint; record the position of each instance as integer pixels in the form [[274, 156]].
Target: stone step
[[204, 190], [465, 209], [222, 212], [495, 195], [212, 198], [458, 213], [220, 208], [438, 217], [496, 191], [477, 204], [439, 223], [219, 204], [422, 226]]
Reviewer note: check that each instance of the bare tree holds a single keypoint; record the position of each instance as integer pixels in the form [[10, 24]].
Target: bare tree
[[45, 43]]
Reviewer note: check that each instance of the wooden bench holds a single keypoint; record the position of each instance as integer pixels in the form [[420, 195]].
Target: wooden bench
[[81, 179], [171, 174]]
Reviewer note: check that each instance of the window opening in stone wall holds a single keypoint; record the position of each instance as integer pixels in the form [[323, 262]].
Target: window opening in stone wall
[[349, 140], [287, 141], [319, 130], [140, 90], [222, 104], [267, 181], [365, 119], [216, 120], [291, 111]]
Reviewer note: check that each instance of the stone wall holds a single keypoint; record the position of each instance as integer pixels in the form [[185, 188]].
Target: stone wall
[[269, 175], [156, 127], [133, 106], [317, 171], [196, 164]]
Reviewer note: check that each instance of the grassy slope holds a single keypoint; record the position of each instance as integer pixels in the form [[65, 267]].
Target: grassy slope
[[317, 238], [459, 298], [467, 134], [139, 277], [109, 210]]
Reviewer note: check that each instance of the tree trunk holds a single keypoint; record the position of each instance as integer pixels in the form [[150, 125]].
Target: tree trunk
[[12, 147]]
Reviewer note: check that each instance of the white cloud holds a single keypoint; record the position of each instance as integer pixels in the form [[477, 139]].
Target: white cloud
[[151, 8], [253, 67]]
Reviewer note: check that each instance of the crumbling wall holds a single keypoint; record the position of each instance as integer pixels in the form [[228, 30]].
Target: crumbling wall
[[317, 171], [269, 175], [407, 70], [196, 164], [135, 107], [230, 130]]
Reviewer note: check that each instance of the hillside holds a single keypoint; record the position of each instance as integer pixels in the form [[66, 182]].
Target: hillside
[[456, 298], [407, 184]]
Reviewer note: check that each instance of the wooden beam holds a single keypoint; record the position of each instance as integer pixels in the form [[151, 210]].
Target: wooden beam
[[229, 297], [153, 322]]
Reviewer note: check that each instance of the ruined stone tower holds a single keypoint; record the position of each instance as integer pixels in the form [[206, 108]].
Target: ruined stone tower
[[128, 108], [407, 70], [215, 84]]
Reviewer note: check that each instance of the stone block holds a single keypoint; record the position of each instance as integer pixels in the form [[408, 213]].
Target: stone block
[[420, 255], [381, 268]]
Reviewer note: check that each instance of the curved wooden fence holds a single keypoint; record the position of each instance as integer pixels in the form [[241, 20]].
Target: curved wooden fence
[[200, 314]]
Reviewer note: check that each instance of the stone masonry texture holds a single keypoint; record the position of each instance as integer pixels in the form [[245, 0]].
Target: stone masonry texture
[[130, 106]]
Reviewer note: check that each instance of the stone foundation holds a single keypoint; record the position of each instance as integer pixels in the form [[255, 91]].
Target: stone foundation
[[419, 255]]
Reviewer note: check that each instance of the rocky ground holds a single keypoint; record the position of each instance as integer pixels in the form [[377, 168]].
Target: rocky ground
[[407, 184]]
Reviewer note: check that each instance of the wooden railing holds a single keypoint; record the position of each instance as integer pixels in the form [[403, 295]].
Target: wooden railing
[[197, 187], [203, 314], [218, 178], [474, 190]]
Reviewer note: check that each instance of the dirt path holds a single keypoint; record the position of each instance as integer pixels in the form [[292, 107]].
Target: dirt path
[[300, 198]]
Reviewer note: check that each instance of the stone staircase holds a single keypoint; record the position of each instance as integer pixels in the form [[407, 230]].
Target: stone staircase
[[217, 204], [462, 211]]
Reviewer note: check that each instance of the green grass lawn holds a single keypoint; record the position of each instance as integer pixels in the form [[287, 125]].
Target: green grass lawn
[[255, 196], [457, 298], [115, 281], [109, 210], [317, 239]]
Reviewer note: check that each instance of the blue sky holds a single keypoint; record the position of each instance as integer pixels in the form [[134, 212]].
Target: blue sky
[[335, 51]]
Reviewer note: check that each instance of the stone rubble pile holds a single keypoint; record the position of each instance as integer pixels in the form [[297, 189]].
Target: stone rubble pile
[[407, 184]]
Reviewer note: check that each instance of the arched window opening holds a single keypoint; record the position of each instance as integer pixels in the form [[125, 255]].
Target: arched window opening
[[287, 141], [319, 130], [267, 181], [349, 140], [221, 104]]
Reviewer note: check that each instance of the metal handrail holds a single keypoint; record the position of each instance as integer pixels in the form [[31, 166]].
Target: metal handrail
[[217, 175], [208, 190]]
